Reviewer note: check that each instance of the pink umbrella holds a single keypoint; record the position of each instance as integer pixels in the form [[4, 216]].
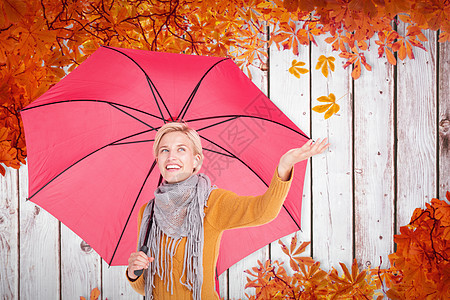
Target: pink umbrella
[[89, 143]]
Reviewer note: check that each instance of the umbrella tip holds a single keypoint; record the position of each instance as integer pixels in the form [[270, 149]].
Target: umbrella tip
[[171, 119]]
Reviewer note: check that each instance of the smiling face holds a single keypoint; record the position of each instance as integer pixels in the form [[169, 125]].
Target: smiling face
[[176, 158]]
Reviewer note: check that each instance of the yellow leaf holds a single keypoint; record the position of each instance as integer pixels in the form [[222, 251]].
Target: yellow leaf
[[320, 62], [325, 62], [296, 69], [330, 109], [322, 108]]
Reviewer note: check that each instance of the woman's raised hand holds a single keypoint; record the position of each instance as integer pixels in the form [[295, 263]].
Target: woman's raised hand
[[293, 156], [138, 261]]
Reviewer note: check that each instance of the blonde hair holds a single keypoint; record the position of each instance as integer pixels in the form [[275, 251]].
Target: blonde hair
[[183, 128]]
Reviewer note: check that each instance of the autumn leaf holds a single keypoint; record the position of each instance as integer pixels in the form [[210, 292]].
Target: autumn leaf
[[40, 41], [95, 293], [296, 68], [330, 108], [325, 62], [444, 37], [385, 42], [418, 270]]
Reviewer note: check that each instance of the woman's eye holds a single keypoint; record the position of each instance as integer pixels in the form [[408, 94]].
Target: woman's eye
[[162, 150], [181, 149]]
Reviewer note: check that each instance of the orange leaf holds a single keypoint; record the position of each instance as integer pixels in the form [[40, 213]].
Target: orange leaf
[[14, 10], [356, 70], [94, 294], [390, 57], [302, 248], [293, 243]]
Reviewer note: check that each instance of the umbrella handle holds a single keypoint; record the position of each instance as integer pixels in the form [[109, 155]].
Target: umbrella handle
[[144, 249]]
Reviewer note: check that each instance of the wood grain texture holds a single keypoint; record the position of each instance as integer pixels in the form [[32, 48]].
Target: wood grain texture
[[332, 189], [292, 96], [236, 276], [444, 119], [416, 130], [374, 170], [115, 285], [80, 266], [9, 232], [39, 248]]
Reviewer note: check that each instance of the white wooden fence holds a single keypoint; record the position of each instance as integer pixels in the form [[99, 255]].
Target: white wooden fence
[[390, 154]]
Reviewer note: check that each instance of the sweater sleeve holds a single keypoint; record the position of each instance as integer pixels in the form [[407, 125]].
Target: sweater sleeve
[[227, 210], [139, 283]]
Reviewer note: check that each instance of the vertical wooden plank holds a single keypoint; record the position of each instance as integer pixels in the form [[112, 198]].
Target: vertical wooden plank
[[374, 161], [80, 266], [292, 96], [236, 276], [444, 119], [39, 248], [416, 129], [9, 221], [115, 285], [223, 285], [332, 189]]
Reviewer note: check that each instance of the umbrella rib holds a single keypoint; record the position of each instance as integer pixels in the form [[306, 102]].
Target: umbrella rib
[[234, 156], [110, 144], [131, 211], [151, 84], [134, 142], [232, 117], [217, 152], [215, 124], [191, 97], [91, 100], [131, 116]]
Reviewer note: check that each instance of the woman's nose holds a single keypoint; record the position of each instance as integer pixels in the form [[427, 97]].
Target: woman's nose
[[171, 154]]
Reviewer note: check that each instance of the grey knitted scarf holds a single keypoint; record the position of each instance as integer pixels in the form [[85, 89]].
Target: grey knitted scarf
[[178, 212]]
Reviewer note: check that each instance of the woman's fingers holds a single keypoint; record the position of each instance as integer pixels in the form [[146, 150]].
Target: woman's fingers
[[139, 260], [319, 146]]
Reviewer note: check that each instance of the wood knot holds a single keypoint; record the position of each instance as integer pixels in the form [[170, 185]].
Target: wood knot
[[264, 67], [444, 126], [85, 247]]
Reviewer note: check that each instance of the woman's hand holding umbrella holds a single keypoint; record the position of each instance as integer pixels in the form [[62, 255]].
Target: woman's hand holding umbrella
[[138, 261], [293, 156]]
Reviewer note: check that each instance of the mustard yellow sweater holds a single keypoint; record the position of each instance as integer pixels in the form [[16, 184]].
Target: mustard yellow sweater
[[225, 210]]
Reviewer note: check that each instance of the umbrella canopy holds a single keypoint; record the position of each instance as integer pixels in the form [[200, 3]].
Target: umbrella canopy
[[90, 137]]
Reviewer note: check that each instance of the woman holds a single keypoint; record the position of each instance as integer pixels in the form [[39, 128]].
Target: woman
[[190, 216]]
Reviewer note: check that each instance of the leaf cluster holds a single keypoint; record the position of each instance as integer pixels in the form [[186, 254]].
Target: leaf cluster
[[352, 23], [419, 267], [42, 40]]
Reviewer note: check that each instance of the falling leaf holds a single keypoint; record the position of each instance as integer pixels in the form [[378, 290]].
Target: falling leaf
[[296, 68], [330, 108], [325, 62]]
